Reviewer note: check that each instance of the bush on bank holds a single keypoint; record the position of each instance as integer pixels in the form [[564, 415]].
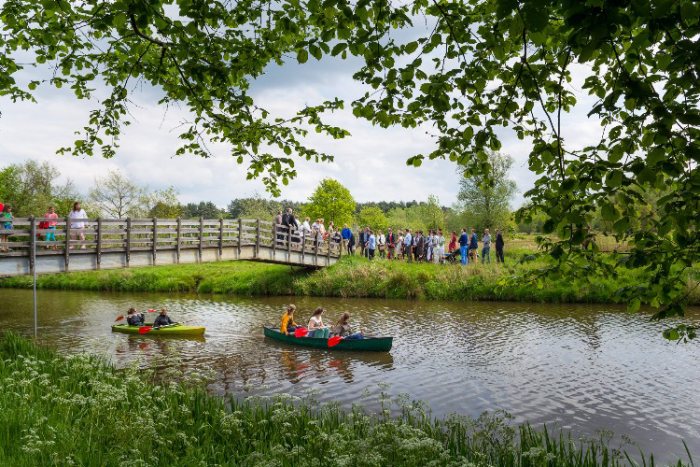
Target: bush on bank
[[351, 277], [79, 410]]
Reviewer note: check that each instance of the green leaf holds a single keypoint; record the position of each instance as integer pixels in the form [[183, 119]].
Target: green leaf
[[302, 56]]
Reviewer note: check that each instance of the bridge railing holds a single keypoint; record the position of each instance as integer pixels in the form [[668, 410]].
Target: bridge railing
[[63, 237]]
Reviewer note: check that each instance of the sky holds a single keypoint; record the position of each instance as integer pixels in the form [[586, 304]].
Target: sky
[[371, 163]]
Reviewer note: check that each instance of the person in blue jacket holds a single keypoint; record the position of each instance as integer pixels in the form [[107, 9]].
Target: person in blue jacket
[[463, 244], [346, 233], [473, 246]]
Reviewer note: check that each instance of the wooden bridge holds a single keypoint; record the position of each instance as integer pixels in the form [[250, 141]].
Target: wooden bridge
[[124, 243]]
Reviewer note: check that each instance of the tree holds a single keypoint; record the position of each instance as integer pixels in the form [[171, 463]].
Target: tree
[[433, 214], [164, 204], [374, 218], [205, 209], [32, 186], [331, 201], [116, 196], [485, 199]]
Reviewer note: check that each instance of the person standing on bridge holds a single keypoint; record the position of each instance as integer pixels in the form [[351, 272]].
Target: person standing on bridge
[[51, 237], [278, 226], [7, 216], [346, 233], [77, 217]]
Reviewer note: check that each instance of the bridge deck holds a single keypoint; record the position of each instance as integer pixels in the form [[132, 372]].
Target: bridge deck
[[124, 243]]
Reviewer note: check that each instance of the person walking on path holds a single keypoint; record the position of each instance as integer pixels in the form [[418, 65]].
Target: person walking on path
[[346, 233], [463, 245], [485, 251], [499, 247], [77, 224], [473, 246]]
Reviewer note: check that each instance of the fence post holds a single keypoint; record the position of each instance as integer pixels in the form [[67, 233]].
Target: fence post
[[257, 239], [303, 244], [201, 237], [99, 242], [179, 235], [240, 237], [316, 250], [330, 247], [289, 242], [155, 239], [128, 241], [221, 238], [274, 237], [67, 244], [32, 244]]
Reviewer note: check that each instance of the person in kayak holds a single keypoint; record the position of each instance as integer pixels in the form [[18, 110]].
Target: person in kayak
[[287, 323], [316, 326], [343, 329], [133, 318], [163, 319]]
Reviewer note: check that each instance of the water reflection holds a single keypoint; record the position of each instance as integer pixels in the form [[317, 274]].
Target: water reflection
[[575, 367]]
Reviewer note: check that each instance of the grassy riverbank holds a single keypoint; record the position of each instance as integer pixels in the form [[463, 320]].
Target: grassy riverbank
[[79, 410], [351, 277]]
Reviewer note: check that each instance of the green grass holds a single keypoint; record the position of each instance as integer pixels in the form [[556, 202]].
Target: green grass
[[350, 277], [79, 410]]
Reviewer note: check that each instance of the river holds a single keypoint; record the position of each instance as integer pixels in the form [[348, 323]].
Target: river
[[574, 367]]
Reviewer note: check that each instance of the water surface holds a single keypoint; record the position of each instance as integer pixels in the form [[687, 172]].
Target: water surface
[[576, 367]]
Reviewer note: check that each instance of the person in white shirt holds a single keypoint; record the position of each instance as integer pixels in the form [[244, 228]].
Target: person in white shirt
[[408, 245], [77, 224], [316, 326], [381, 244], [399, 246], [441, 246]]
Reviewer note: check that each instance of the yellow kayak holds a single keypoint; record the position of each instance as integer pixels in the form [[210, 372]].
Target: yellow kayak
[[172, 330]]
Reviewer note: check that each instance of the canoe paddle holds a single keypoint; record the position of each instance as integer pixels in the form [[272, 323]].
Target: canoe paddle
[[121, 317], [147, 329], [333, 341], [300, 332]]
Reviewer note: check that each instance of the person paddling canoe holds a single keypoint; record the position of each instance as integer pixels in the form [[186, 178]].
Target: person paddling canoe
[[163, 319], [134, 318], [316, 326], [287, 323], [344, 331]]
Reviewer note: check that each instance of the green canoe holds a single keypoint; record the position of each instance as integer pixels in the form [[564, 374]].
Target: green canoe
[[375, 344], [175, 330]]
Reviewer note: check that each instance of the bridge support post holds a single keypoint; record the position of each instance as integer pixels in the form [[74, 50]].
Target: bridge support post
[[128, 241], [221, 238], [289, 244], [32, 244], [303, 245], [316, 250], [274, 238], [155, 239], [201, 237], [99, 243], [240, 237], [257, 240], [179, 235], [67, 252]]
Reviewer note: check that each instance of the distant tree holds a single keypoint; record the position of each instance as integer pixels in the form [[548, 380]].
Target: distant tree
[[433, 214], [485, 202], [205, 209], [374, 218], [164, 204], [115, 195], [332, 202], [31, 187]]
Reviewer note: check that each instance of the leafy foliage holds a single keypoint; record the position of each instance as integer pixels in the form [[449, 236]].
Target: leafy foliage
[[331, 201], [373, 218], [485, 199]]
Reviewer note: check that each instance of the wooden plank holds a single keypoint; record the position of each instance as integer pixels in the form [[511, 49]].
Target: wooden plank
[[155, 239], [201, 227], [179, 238], [240, 235], [67, 252]]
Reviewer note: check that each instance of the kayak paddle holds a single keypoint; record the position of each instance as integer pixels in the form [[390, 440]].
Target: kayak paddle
[[333, 341], [147, 329], [300, 332], [119, 318]]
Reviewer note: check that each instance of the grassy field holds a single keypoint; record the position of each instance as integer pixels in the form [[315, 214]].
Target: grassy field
[[350, 277], [79, 410]]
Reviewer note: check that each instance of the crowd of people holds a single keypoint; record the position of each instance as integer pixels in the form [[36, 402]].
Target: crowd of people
[[77, 217], [431, 246]]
